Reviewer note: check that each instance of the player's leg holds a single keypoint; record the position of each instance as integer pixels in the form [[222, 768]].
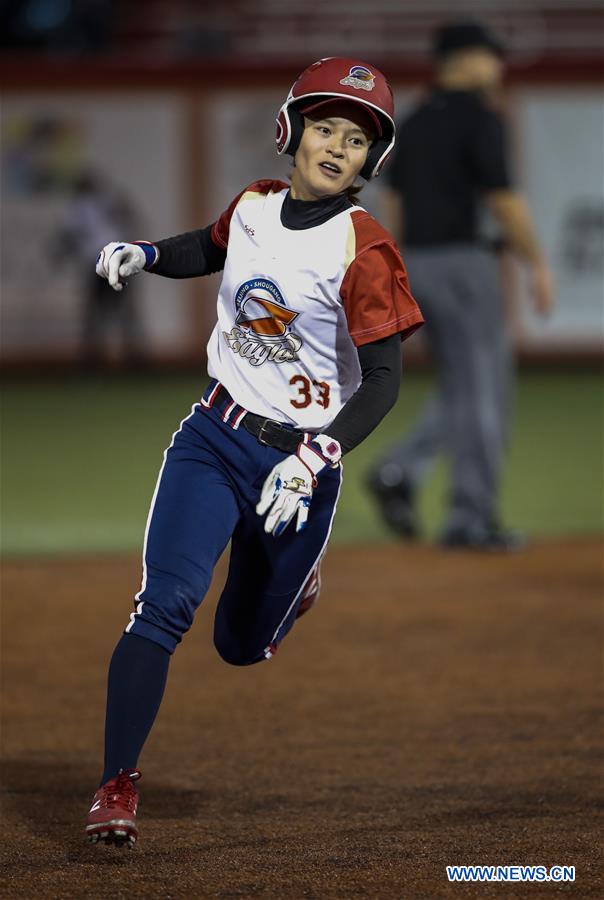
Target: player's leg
[[272, 580], [192, 516], [311, 590]]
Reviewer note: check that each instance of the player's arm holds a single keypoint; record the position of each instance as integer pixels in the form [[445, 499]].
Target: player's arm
[[188, 255], [202, 252], [380, 363], [380, 312], [287, 491]]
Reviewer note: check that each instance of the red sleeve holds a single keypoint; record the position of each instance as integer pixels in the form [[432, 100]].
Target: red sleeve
[[376, 296], [220, 229]]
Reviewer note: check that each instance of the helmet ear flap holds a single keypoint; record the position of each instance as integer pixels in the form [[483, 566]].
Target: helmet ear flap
[[296, 120], [367, 170], [377, 156], [283, 130], [290, 126]]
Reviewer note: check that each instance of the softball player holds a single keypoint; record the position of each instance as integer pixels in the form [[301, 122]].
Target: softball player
[[304, 363]]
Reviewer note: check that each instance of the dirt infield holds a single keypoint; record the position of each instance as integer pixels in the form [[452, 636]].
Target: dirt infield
[[433, 709]]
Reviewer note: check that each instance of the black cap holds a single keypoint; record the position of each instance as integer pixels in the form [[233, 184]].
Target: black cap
[[463, 36]]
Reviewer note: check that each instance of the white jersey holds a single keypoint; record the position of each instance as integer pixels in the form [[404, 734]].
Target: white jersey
[[294, 304]]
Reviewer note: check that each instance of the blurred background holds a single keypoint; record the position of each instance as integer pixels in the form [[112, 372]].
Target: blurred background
[[137, 120]]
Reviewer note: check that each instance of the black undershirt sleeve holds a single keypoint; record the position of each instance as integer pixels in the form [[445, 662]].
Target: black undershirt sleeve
[[380, 364], [189, 255]]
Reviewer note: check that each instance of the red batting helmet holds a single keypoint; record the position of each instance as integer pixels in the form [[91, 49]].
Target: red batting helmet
[[340, 78]]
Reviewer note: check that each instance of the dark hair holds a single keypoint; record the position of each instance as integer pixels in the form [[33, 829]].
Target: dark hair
[[352, 193]]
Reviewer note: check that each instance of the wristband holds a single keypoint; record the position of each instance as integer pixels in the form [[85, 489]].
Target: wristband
[[151, 252], [321, 451]]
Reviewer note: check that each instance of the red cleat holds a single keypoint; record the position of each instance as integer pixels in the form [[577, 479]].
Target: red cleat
[[311, 591], [112, 816]]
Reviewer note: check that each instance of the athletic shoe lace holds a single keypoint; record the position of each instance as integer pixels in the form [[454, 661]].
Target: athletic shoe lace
[[120, 791]]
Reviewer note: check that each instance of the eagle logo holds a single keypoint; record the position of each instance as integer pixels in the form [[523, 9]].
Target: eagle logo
[[262, 330], [359, 77], [264, 317]]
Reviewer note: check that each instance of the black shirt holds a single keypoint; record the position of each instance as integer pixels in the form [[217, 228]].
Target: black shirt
[[449, 151]]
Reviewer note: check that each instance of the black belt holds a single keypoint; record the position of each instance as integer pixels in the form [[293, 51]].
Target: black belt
[[266, 431]]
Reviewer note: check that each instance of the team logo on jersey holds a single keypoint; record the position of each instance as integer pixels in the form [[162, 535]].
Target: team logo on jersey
[[359, 77], [263, 324]]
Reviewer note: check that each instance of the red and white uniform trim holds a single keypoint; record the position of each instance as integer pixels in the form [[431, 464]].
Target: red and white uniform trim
[[208, 401], [296, 304]]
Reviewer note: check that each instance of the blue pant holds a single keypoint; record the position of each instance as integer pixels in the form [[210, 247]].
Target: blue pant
[[206, 495]]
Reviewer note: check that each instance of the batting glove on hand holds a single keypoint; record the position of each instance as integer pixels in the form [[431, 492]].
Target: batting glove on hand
[[117, 261], [287, 491]]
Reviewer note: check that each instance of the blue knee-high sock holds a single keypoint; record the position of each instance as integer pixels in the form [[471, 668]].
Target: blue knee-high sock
[[137, 678]]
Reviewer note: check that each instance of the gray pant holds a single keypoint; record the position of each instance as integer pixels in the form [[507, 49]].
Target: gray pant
[[457, 288]]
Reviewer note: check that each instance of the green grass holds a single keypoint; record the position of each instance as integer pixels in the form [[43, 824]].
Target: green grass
[[80, 458]]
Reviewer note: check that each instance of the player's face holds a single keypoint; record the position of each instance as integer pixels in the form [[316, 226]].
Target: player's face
[[331, 154]]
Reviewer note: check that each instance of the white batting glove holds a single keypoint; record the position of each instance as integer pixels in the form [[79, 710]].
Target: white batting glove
[[118, 260], [287, 491]]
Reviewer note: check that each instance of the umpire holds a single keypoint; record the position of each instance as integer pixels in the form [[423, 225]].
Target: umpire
[[450, 161]]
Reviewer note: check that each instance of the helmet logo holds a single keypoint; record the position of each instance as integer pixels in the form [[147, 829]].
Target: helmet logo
[[359, 77]]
